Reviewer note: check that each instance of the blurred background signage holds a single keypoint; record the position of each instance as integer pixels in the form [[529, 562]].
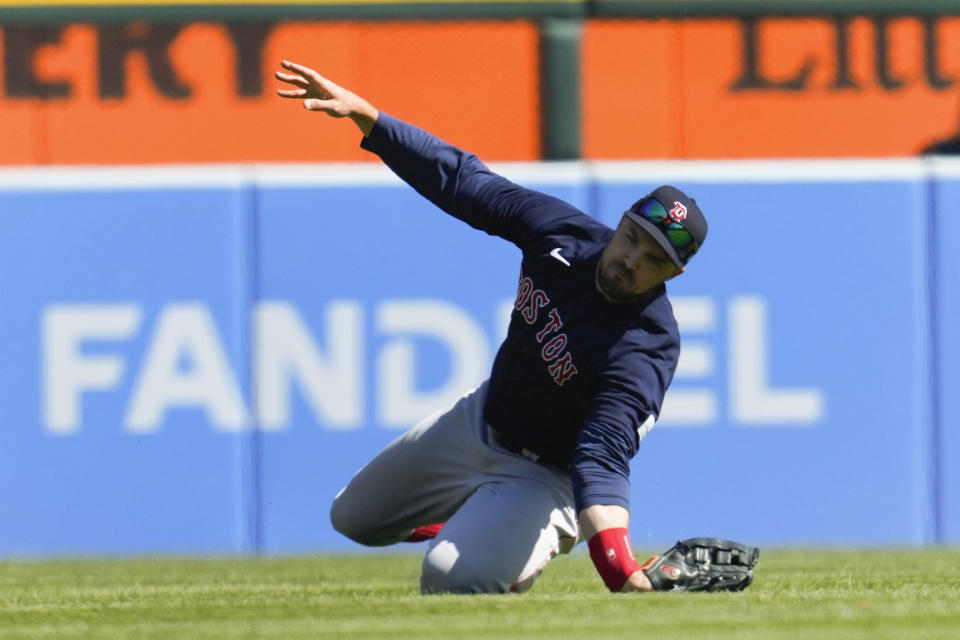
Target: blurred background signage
[[510, 80]]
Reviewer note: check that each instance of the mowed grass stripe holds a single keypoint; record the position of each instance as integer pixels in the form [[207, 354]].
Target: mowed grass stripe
[[797, 594]]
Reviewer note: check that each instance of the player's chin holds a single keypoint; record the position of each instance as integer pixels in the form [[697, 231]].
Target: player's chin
[[615, 288]]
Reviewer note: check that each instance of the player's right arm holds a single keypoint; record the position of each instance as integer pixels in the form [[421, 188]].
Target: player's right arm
[[454, 180]]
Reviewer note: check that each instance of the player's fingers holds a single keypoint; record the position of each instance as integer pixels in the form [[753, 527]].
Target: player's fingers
[[306, 72], [330, 106], [291, 93], [291, 79]]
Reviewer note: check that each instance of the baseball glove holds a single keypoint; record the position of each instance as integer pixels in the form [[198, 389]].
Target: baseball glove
[[703, 564]]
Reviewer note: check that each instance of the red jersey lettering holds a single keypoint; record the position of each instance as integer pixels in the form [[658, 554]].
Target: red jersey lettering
[[553, 348], [523, 293], [529, 302], [537, 299], [562, 369], [554, 323]]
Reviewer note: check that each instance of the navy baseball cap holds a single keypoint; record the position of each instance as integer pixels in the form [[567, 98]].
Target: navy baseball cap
[[673, 220]]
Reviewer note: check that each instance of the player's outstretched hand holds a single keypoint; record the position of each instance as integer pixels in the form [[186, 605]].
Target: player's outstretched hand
[[321, 94]]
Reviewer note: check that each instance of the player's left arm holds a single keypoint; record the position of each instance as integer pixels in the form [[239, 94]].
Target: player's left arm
[[612, 519], [601, 486], [624, 410]]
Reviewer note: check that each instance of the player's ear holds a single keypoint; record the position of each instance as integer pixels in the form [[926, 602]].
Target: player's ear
[[675, 273]]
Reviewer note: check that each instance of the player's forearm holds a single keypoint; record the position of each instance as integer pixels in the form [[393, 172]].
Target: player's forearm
[[364, 115], [612, 519], [598, 517]]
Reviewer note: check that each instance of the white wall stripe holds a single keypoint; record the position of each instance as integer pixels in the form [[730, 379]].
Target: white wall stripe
[[546, 173], [778, 170], [945, 166], [330, 174], [123, 177]]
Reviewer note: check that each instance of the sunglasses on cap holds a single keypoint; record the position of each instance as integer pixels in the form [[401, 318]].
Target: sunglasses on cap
[[680, 239]]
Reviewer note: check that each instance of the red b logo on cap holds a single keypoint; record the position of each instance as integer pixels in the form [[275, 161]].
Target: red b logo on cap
[[678, 213]]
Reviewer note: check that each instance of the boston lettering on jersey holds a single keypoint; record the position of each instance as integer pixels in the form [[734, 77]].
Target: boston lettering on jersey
[[529, 302]]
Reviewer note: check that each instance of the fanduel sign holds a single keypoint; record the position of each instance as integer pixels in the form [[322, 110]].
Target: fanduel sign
[[185, 365]]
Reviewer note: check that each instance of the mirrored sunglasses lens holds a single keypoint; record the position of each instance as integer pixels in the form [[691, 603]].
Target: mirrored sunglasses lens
[[678, 236], [653, 211]]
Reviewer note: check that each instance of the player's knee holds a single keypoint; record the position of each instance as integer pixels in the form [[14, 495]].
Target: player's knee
[[346, 519], [444, 571], [357, 521], [340, 516]]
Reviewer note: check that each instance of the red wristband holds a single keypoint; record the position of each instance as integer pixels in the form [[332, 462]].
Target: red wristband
[[611, 554]]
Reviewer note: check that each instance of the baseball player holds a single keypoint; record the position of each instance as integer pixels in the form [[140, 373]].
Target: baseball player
[[537, 457]]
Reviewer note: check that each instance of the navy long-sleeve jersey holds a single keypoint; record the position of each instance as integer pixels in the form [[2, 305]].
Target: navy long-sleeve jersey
[[578, 379]]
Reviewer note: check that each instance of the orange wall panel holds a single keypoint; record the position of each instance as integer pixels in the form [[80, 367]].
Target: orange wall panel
[[667, 88], [21, 129], [473, 83], [804, 95], [632, 99]]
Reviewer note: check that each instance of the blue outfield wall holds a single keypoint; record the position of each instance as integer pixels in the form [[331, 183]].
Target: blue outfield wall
[[196, 360], [945, 478]]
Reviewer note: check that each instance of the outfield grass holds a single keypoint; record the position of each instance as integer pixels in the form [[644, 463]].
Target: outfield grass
[[822, 595]]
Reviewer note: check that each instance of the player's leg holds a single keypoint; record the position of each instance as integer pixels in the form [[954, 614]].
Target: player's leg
[[502, 537], [420, 478]]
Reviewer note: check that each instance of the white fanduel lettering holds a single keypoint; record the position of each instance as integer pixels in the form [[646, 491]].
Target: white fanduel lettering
[[696, 360], [400, 404], [694, 313], [185, 366], [752, 401], [186, 333], [67, 372], [683, 406], [285, 353]]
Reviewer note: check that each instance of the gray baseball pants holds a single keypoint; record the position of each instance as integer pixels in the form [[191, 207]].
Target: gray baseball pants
[[506, 516]]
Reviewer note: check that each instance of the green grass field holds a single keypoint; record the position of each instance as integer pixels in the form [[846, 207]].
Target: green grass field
[[822, 595]]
